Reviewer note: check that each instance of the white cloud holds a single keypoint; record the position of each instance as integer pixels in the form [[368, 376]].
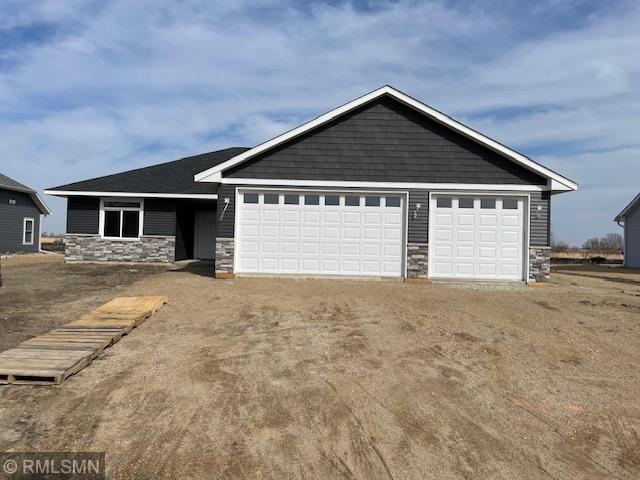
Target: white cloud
[[114, 78]]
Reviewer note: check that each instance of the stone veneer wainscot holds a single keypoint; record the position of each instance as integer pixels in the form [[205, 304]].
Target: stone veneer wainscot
[[417, 260], [539, 264], [93, 248], [224, 255]]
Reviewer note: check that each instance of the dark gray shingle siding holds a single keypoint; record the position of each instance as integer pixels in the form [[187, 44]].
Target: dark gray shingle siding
[[159, 216], [632, 238], [540, 219], [388, 142], [418, 228], [226, 221], [83, 215], [12, 222]]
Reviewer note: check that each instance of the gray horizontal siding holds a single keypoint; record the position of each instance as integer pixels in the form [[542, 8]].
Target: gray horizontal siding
[[418, 227], [159, 216], [385, 141], [540, 219], [83, 215], [226, 218], [632, 239], [12, 222]]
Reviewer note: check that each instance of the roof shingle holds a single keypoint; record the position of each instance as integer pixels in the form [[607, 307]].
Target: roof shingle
[[171, 177]]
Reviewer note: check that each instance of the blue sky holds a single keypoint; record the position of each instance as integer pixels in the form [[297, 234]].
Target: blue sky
[[89, 88]]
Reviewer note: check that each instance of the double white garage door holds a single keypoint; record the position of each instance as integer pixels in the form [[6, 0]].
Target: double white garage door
[[352, 233], [328, 233]]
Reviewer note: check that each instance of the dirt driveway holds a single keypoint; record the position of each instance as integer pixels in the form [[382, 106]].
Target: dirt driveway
[[261, 378]]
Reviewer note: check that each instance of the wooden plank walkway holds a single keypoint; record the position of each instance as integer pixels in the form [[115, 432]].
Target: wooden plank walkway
[[50, 358]]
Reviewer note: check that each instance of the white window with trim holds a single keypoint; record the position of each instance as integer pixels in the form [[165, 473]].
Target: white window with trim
[[28, 226], [121, 219]]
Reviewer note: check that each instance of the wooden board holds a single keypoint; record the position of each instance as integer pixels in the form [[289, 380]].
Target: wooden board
[[50, 358]]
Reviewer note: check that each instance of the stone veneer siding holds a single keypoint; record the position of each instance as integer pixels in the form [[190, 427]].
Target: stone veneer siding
[[224, 255], [539, 263], [417, 260], [93, 248]]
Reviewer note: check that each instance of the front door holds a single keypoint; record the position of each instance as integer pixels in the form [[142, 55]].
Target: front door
[[204, 237]]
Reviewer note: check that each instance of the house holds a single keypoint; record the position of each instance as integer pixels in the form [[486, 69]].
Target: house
[[629, 219], [383, 186], [21, 212]]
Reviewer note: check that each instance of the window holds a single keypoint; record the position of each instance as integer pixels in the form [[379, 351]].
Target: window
[[271, 198], [27, 231], [443, 202], [331, 200], [290, 199], [312, 199], [351, 201], [250, 198], [121, 219], [465, 202], [392, 202], [372, 201], [510, 203], [12, 201], [488, 203]]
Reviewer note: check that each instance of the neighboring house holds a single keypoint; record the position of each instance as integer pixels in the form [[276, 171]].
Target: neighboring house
[[383, 186], [21, 211], [629, 219]]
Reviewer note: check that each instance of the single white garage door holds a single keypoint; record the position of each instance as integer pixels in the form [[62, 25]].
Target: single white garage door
[[476, 237], [320, 233]]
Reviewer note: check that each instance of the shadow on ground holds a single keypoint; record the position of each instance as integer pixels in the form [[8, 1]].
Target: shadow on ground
[[203, 268]]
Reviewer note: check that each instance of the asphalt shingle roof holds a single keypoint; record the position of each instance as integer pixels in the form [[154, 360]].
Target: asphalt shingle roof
[[11, 184], [171, 177]]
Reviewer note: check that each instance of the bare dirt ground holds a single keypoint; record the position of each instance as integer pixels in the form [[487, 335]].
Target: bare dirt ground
[[41, 292], [283, 378]]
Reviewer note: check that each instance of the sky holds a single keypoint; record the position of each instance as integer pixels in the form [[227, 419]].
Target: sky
[[89, 88]]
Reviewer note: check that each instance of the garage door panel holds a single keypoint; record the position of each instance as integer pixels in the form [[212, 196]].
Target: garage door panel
[[250, 230], [465, 269], [465, 235], [331, 217], [352, 249], [271, 216], [371, 249], [330, 248], [311, 217], [252, 215], [464, 219], [290, 248], [463, 251], [469, 241], [487, 236], [371, 234], [349, 238], [352, 218], [290, 231], [443, 235], [291, 216], [268, 263]]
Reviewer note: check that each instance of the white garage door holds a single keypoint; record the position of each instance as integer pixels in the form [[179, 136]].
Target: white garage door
[[476, 237], [320, 233]]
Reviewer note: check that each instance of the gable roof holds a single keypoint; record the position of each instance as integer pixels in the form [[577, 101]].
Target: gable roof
[[556, 181], [170, 179], [628, 209], [7, 183]]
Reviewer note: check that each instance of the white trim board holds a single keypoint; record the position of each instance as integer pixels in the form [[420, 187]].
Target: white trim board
[[24, 230], [378, 185], [214, 174], [70, 193]]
